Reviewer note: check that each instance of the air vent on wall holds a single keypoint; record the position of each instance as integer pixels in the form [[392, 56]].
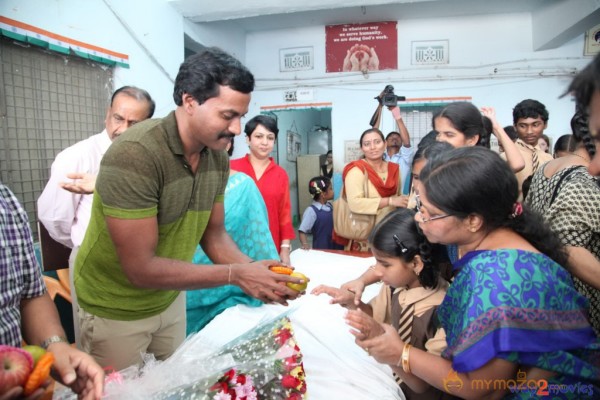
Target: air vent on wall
[[296, 59], [430, 52]]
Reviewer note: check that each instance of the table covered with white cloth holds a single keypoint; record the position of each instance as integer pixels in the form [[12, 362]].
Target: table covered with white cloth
[[336, 368]]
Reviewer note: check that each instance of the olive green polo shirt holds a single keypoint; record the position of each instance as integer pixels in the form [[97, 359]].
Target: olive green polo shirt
[[144, 175]]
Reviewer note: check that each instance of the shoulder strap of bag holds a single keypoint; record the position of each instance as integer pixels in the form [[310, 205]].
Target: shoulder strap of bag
[[562, 179]]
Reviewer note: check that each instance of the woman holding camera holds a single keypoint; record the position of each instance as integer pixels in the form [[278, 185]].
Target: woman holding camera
[[381, 179]]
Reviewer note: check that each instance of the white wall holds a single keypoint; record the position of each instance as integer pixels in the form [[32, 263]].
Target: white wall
[[491, 60], [228, 37]]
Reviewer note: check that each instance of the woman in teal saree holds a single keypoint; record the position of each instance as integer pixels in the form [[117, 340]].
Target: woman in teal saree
[[515, 324], [247, 223]]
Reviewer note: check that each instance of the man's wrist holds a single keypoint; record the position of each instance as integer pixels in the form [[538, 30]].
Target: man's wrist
[[53, 339]]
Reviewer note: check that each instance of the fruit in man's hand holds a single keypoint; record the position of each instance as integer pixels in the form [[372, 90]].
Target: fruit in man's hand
[[280, 269], [15, 366], [40, 373], [299, 287], [36, 352]]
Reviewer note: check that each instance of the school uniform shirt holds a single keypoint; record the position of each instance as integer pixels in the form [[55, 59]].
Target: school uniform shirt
[[423, 299], [527, 153]]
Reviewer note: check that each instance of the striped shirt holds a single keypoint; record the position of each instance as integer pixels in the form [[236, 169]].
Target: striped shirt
[[20, 273]]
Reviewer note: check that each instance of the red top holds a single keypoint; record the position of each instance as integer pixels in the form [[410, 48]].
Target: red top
[[275, 190]]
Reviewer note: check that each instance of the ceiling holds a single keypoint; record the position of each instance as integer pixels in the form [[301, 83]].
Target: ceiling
[[257, 15]]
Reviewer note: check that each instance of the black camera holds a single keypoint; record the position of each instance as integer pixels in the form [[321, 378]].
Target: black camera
[[389, 99]]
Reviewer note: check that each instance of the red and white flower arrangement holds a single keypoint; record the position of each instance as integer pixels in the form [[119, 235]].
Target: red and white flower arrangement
[[233, 386]]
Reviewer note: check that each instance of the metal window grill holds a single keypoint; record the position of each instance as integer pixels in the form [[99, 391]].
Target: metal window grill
[[48, 102]]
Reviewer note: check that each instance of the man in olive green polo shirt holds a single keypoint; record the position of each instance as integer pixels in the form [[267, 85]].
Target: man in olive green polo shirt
[[158, 194]]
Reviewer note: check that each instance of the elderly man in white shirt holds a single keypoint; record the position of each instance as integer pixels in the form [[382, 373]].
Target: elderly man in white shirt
[[66, 214]]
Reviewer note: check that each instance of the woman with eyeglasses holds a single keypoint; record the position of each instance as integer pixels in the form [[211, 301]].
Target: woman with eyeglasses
[[382, 180], [511, 314]]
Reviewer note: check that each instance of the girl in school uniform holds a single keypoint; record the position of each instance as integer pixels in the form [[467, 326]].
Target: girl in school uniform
[[409, 267], [318, 217]]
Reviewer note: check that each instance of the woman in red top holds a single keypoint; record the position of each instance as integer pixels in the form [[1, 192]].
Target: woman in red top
[[271, 179]]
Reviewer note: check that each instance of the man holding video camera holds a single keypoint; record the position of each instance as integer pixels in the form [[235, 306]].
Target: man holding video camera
[[398, 149]]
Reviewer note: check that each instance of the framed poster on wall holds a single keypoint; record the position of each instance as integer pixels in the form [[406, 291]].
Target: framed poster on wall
[[372, 46]]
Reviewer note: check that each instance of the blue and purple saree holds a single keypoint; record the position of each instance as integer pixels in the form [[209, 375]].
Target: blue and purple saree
[[522, 307]]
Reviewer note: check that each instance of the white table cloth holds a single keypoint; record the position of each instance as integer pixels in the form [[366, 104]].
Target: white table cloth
[[336, 368]]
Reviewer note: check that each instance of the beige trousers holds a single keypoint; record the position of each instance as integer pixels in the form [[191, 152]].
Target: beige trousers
[[119, 344]]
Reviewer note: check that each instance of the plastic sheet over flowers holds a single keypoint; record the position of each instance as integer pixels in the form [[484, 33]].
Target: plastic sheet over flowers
[[263, 363]]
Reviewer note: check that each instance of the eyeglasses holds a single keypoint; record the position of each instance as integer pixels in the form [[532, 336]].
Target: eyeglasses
[[423, 218]]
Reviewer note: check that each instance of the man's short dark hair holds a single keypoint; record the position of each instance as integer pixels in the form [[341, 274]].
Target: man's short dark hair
[[530, 109], [264, 120], [138, 94], [392, 133], [201, 75]]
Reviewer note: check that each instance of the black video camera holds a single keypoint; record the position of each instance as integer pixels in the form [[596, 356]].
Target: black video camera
[[389, 99]]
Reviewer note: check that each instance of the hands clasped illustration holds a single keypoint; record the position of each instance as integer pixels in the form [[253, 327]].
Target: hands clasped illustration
[[360, 57]]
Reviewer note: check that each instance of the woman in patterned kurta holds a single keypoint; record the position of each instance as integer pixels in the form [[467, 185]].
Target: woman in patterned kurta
[[512, 314], [567, 196]]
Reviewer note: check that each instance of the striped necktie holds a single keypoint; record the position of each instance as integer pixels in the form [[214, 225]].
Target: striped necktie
[[404, 323], [535, 162]]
